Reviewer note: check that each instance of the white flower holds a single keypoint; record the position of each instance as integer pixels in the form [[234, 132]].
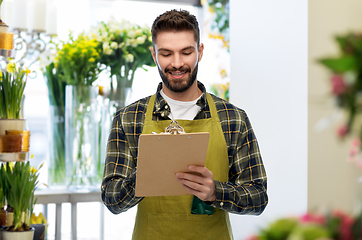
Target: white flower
[[150, 38], [133, 42], [129, 58], [99, 38], [121, 45], [141, 40], [138, 32], [350, 78], [114, 45], [104, 35], [131, 33], [128, 42], [108, 51], [106, 45]]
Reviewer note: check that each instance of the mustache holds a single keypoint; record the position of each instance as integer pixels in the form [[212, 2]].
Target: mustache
[[181, 69]]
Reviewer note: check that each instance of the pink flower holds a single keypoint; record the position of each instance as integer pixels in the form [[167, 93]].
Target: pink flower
[[338, 85], [342, 131], [355, 152], [313, 218], [345, 228]]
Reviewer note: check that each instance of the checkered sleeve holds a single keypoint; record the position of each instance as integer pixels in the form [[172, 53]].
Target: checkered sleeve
[[118, 186], [246, 190]]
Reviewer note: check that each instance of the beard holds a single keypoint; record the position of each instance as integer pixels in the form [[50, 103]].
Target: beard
[[179, 86]]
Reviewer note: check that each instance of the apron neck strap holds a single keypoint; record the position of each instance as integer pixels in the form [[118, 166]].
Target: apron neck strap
[[151, 104]]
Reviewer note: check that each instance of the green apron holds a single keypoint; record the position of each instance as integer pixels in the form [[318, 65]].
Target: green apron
[[170, 217]]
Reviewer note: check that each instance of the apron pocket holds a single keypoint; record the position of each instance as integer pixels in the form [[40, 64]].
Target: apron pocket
[[187, 226]]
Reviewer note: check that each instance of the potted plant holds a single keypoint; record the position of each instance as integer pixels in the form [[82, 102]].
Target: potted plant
[[20, 181], [345, 71], [12, 84]]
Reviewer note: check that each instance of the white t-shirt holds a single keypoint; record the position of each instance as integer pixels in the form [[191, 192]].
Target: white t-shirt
[[180, 110]]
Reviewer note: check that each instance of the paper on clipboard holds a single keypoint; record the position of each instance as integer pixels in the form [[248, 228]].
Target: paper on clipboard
[[160, 156]]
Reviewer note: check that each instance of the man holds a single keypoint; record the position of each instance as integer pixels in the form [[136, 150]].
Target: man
[[233, 179]]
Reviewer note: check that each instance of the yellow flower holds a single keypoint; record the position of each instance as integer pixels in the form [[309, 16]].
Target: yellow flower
[[40, 219], [92, 60], [26, 71], [11, 67], [11, 165], [1, 76], [33, 170], [223, 73]]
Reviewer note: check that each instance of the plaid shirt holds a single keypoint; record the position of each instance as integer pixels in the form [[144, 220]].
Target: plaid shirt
[[244, 193]]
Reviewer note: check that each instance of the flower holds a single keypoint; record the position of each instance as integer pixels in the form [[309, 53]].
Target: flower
[[338, 85], [12, 84], [77, 60], [342, 131], [221, 90], [123, 47], [334, 225], [40, 219], [346, 81], [18, 186], [219, 20]]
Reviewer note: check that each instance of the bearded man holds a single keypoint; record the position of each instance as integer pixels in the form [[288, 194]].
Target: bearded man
[[233, 179]]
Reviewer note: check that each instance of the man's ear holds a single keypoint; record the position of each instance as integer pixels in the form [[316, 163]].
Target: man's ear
[[153, 54], [201, 51]]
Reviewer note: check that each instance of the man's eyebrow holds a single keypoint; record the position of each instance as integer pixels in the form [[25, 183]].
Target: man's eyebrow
[[184, 49]]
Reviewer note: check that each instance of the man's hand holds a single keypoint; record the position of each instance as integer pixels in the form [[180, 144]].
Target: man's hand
[[202, 186]]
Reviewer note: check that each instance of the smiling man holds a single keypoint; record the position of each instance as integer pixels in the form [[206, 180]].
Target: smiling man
[[233, 179]]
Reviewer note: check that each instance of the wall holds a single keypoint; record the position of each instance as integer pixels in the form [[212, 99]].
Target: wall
[[269, 80], [331, 180]]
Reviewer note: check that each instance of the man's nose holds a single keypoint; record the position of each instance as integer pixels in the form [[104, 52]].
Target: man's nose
[[177, 61]]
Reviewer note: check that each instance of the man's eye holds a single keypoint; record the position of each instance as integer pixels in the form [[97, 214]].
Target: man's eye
[[165, 55], [187, 53]]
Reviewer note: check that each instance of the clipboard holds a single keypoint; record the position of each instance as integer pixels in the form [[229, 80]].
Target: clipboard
[[160, 156]]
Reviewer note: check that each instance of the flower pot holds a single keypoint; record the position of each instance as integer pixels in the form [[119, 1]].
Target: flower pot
[[11, 124], [2, 218], [25, 235], [81, 137], [39, 233], [6, 218]]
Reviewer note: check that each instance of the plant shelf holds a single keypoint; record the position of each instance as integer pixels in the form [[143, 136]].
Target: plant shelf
[[14, 157]]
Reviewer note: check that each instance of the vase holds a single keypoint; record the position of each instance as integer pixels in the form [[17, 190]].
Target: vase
[[24, 235], [81, 137], [56, 169], [109, 106]]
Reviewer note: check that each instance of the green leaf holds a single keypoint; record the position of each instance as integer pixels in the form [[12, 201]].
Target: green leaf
[[339, 65]]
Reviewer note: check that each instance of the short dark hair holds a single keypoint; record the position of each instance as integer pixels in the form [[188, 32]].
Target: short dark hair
[[175, 20]]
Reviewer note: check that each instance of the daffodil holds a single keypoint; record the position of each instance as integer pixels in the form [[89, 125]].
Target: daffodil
[[26, 71], [40, 219], [11, 67]]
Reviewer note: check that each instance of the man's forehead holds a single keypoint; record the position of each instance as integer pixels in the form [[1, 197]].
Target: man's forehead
[[175, 39]]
